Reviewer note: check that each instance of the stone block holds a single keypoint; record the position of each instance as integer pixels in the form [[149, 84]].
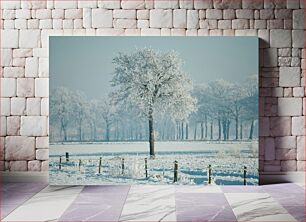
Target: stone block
[[42, 142], [252, 4], [33, 106], [224, 24], [34, 165], [18, 166], [6, 57], [43, 70], [186, 4], [298, 38], [8, 87], [150, 32], [42, 154], [288, 165], [43, 13], [125, 23], [245, 14], [270, 57], [280, 126], [269, 149], [5, 106], [301, 166], [240, 24], [66, 4], [293, 4], [298, 125], [23, 14], [125, 14], [45, 165], [285, 142], [160, 18], [109, 4], [41, 87], [214, 14], [25, 87], [10, 4], [264, 126], [19, 148], [133, 4], [33, 126], [298, 19], [73, 13], [102, 18], [166, 4], [289, 76], [45, 107], [298, 92], [87, 4], [192, 19], [280, 38], [31, 67], [289, 106], [142, 23], [301, 148], [143, 14], [285, 154], [179, 18], [13, 72], [22, 53], [3, 129], [58, 13], [13, 125], [86, 18], [9, 38], [18, 106], [227, 4], [29, 38], [203, 4]]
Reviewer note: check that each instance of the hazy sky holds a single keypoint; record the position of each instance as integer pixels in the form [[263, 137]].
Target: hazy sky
[[85, 63]]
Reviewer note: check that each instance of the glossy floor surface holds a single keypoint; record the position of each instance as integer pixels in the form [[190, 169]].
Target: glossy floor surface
[[39, 202]]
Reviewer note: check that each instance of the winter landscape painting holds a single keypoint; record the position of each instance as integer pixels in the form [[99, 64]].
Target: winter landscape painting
[[153, 110]]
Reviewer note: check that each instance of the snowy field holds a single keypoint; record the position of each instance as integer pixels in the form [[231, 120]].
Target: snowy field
[[227, 161]]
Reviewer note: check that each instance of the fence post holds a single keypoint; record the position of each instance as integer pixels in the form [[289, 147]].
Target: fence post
[[80, 162], [146, 167], [175, 171], [209, 174], [100, 165], [122, 165], [60, 163], [67, 157], [244, 175]]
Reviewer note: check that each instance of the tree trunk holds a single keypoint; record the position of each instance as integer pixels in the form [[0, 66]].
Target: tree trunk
[[182, 128], [237, 126], [241, 133], [205, 126], [211, 130], [107, 132], [195, 132], [224, 129], [228, 129], [251, 130], [219, 128], [151, 135], [202, 131], [186, 131]]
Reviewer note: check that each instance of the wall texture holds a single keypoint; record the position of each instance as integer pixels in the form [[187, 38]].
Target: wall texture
[[26, 25]]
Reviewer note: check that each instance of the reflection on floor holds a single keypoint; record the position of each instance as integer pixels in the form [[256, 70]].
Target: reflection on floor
[[39, 202]]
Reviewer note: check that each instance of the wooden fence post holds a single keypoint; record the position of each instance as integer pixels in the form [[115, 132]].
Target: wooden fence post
[[60, 163], [146, 167], [122, 165], [244, 175], [67, 157], [100, 165], [209, 174], [175, 171], [80, 162]]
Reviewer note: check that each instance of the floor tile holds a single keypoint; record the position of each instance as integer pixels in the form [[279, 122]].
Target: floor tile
[[97, 203], [283, 188], [298, 212], [203, 207], [257, 207], [292, 199], [47, 205], [198, 189], [150, 203], [242, 189]]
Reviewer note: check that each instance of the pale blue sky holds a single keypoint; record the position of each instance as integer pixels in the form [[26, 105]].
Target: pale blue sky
[[85, 63]]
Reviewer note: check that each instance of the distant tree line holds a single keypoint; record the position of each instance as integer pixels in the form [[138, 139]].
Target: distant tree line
[[224, 111]]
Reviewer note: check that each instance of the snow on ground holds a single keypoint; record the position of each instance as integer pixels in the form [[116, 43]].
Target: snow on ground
[[226, 160]]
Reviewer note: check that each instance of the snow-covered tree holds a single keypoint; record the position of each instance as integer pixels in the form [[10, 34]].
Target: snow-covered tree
[[61, 109], [107, 111], [80, 111], [153, 82]]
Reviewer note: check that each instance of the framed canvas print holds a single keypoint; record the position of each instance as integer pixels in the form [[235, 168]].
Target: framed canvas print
[[153, 110]]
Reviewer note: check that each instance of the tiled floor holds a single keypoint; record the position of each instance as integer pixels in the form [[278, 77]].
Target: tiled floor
[[39, 202]]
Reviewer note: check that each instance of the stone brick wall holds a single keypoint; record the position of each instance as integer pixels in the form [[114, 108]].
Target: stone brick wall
[[26, 25]]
